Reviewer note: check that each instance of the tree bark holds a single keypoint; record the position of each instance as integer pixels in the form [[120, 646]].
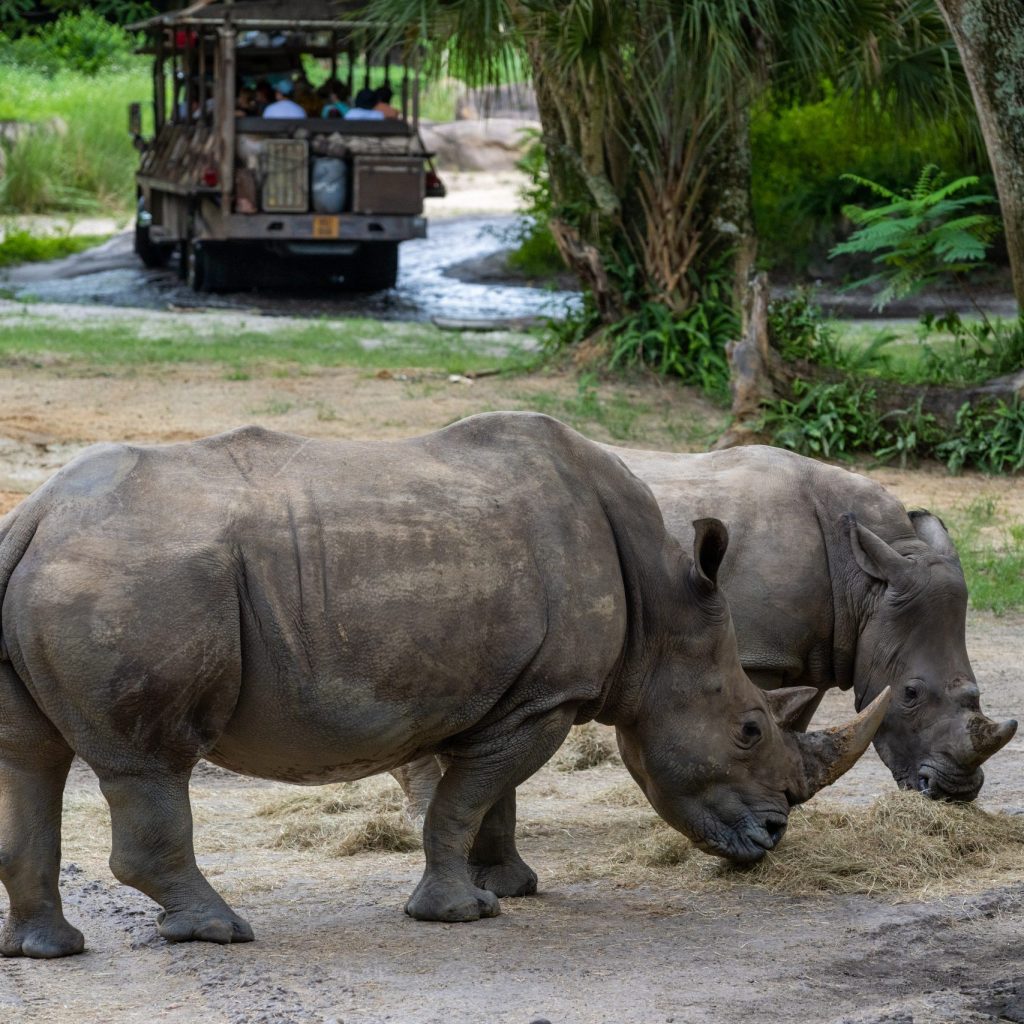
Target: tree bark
[[990, 37]]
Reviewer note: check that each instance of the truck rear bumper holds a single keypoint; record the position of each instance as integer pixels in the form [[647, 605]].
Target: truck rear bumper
[[343, 227]]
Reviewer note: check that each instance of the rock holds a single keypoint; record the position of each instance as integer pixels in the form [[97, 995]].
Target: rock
[[516, 101], [492, 145]]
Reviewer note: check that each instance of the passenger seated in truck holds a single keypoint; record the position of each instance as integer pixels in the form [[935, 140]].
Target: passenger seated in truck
[[264, 97], [283, 106], [245, 103], [384, 94], [364, 110], [306, 96], [335, 99]]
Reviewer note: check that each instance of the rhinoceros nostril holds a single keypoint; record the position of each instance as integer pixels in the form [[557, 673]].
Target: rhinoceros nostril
[[775, 827]]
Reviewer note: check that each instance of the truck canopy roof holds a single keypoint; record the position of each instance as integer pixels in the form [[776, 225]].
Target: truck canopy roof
[[321, 14]]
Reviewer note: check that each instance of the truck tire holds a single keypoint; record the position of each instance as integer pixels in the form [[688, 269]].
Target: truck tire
[[374, 267], [207, 269], [153, 254]]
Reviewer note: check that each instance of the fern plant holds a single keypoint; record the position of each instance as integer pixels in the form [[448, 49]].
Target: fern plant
[[927, 233]]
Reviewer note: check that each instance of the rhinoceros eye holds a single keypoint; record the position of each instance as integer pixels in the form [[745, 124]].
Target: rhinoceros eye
[[750, 733], [910, 693]]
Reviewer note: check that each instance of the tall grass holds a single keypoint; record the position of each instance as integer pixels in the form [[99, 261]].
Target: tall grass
[[88, 168]]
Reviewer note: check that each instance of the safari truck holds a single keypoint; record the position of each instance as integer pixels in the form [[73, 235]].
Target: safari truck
[[242, 197]]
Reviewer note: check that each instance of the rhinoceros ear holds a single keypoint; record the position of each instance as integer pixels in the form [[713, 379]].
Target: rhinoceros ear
[[872, 554], [788, 703], [932, 530], [710, 542]]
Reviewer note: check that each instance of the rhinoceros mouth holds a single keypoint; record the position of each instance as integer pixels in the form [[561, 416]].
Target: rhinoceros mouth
[[937, 783], [748, 841]]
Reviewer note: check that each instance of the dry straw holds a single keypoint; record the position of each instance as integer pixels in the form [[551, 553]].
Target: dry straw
[[342, 820], [585, 747], [902, 846]]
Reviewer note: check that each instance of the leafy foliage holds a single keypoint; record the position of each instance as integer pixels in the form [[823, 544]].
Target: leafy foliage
[[19, 16], [838, 419], [536, 252], [85, 43], [992, 439], [921, 235], [688, 345], [24, 247], [801, 149]]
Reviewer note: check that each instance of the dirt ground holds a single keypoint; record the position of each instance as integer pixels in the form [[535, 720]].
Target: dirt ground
[[332, 942]]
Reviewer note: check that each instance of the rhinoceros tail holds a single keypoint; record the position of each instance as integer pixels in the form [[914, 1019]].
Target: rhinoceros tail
[[17, 529]]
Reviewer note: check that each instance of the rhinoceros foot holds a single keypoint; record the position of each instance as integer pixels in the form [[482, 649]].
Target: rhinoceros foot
[[515, 878], [42, 939], [435, 900], [213, 924]]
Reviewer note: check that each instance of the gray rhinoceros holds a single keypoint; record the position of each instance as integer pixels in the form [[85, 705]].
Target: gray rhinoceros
[[314, 611], [831, 583]]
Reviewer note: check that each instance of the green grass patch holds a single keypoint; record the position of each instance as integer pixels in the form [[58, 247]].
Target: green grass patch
[[623, 417], [24, 247], [364, 343], [992, 555], [618, 415]]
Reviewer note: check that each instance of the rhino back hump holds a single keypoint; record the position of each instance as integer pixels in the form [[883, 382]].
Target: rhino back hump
[[782, 511]]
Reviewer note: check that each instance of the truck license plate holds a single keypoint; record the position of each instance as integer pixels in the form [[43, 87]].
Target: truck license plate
[[325, 227]]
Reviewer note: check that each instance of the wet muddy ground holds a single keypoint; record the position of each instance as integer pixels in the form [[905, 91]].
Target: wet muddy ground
[[332, 941], [111, 275]]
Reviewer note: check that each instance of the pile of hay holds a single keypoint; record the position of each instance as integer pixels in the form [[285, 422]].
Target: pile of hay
[[901, 846], [344, 819], [586, 746]]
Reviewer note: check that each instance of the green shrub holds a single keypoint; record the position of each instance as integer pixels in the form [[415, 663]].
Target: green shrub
[[801, 151], [84, 42], [535, 252], [836, 418], [920, 235], [23, 247]]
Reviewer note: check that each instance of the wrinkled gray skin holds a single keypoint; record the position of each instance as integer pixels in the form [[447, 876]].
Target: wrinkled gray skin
[[316, 611], [831, 583]]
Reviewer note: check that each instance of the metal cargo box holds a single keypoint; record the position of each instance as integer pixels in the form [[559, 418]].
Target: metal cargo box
[[391, 184], [285, 165]]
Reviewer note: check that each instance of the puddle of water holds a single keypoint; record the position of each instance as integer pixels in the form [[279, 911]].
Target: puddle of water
[[423, 290]]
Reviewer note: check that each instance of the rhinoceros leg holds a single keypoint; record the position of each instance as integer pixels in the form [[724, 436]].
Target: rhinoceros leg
[[34, 763], [481, 773], [418, 780], [494, 861], [151, 823]]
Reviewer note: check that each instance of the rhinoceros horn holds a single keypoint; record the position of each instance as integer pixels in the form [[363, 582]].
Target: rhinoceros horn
[[985, 738], [831, 752]]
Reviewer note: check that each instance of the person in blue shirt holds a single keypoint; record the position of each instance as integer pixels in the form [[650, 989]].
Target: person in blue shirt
[[366, 101], [283, 106]]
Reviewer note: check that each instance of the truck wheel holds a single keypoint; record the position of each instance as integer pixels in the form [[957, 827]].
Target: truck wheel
[[207, 269], [153, 254], [375, 267]]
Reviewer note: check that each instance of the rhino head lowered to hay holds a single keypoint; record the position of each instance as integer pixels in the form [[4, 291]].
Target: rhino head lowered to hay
[[317, 611]]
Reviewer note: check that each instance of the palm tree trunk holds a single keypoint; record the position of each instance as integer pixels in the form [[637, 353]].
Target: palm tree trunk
[[990, 37]]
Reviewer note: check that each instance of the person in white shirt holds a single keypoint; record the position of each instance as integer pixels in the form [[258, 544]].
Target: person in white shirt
[[282, 105], [366, 100]]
